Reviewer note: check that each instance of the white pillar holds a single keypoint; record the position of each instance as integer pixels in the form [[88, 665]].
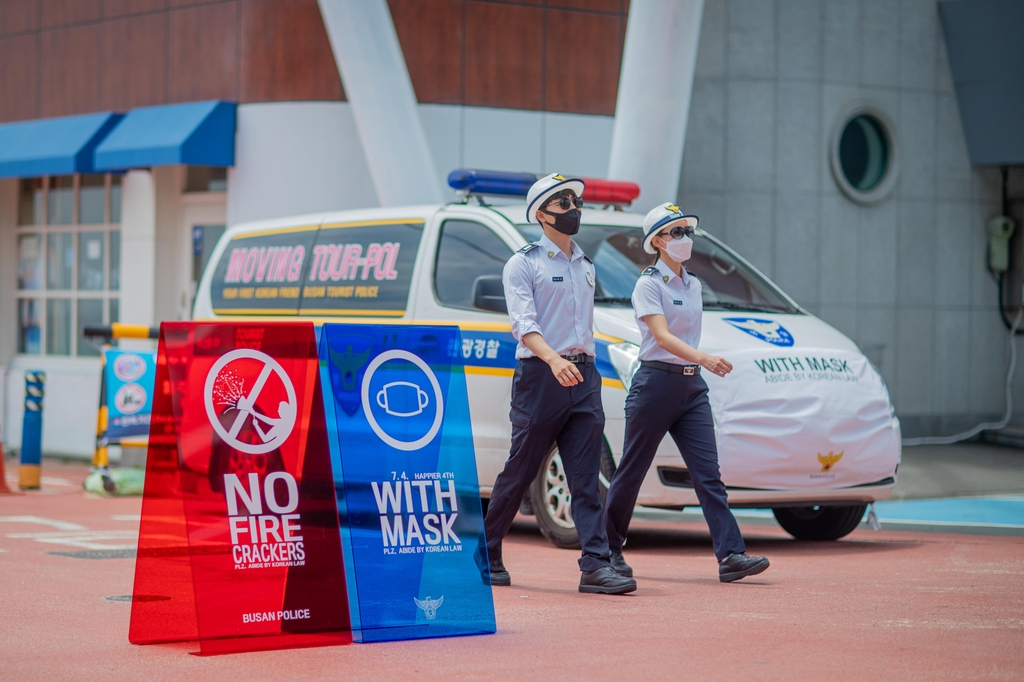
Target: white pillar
[[138, 248], [653, 104], [378, 88]]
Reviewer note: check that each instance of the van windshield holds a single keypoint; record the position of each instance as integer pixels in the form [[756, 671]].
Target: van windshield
[[619, 259]]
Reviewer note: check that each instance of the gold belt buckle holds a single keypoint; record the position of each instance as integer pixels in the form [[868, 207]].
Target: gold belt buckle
[[689, 370]]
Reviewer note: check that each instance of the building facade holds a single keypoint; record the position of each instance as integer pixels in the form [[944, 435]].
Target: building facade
[[518, 85]]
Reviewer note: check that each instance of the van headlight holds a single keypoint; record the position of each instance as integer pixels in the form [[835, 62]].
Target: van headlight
[[625, 359]]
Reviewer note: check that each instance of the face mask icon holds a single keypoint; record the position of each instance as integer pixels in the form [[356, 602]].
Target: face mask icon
[[389, 396]]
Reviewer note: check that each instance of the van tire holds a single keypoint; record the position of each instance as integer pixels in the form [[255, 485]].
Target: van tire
[[550, 498], [819, 523]]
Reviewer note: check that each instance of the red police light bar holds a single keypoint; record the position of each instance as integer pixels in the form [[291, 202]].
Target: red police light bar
[[600, 191]]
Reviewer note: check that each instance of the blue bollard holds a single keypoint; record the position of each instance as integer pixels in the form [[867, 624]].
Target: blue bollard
[[30, 472]]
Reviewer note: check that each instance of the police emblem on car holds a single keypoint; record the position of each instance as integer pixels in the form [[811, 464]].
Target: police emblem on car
[[769, 331]]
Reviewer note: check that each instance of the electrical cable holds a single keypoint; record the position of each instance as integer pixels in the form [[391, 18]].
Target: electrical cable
[[949, 440]]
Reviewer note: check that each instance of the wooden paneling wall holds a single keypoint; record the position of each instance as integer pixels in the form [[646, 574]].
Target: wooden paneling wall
[[553, 55], [62, 57], [286, 55]]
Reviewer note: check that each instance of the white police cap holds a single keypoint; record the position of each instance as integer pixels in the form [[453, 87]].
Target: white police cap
[[544, 188], [660, 217]]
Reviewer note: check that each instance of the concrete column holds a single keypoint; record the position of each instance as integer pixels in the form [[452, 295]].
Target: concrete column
[[653, 104], [173, 246], [383, 103], [138, 248]]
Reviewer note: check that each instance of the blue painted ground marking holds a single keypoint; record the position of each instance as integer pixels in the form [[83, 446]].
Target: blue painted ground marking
[[1002, 510], [996, 511]]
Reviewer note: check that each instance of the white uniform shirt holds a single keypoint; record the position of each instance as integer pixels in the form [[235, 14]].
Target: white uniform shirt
[[552, 295], [659, 291]]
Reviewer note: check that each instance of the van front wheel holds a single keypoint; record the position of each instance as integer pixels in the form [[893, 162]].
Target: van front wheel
[[819, 523], [552, 502]]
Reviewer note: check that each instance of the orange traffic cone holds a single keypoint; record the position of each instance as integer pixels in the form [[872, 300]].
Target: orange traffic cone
[[4, 490]]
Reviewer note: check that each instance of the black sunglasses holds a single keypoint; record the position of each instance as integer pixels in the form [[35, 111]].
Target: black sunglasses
[[678, 232], [565, 200]]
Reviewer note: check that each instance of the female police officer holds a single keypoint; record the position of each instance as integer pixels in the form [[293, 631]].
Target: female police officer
[[668, 395], [556, 389]]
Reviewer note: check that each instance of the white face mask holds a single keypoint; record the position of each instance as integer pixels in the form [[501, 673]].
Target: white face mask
[[679, 249]]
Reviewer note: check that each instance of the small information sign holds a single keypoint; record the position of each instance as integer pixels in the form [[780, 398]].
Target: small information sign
[[129, 378]]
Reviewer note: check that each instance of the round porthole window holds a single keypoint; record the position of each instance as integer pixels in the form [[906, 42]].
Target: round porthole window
[[864, 155]]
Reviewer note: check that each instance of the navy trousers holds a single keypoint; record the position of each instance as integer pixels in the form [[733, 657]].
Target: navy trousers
[[545, 412], [661, 402]]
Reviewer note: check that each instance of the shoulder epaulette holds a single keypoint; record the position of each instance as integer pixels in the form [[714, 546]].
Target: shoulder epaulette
[[528, 248], [587, 258], [650, 271]]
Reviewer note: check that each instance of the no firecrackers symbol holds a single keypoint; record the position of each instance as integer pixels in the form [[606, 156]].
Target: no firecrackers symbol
[[250, 401]]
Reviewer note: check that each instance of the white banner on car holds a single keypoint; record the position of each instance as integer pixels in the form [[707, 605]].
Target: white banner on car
[[803, 418]]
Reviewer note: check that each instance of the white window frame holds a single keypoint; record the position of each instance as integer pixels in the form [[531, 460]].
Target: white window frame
[[74, 294]]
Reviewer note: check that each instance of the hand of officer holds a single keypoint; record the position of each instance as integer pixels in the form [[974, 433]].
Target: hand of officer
[[566, 372], [717, 365]]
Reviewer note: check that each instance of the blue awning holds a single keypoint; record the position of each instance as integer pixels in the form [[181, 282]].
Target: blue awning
[[52, 146], [196, 133]]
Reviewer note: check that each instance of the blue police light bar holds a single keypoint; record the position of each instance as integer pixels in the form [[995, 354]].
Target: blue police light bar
[[497, 183]]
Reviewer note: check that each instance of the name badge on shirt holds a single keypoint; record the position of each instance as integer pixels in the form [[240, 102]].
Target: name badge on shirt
[[677, 302], [556, 279]]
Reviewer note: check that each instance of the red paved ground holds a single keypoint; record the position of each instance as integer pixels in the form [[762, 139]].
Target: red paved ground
[[881, 606]]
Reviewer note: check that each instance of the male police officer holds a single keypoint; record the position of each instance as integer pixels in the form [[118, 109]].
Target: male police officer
[[556, 389]]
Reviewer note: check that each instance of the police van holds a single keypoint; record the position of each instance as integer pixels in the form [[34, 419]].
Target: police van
[[804, 423]]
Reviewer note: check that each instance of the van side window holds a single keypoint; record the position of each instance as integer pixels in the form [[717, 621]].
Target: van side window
[[466, 250]]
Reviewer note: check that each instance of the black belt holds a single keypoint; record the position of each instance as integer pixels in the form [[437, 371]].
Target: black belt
[[685, 370], [578, 358]]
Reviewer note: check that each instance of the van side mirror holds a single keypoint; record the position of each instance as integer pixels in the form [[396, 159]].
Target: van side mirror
[[489, 294]]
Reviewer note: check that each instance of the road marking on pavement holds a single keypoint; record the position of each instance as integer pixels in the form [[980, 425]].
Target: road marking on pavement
[[59, 525], [72, 534], [999, 624], [47, 480], [137, 518], [86, 539]]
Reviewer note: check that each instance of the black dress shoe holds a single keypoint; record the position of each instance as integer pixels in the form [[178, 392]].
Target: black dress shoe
[[620, 565], [606, 581], [737, 566], [493, 572]]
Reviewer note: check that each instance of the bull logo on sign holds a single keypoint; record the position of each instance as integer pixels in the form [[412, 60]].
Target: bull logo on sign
[[429, 606]]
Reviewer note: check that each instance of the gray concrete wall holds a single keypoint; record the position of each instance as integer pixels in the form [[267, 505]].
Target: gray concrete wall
[[906, 279]]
